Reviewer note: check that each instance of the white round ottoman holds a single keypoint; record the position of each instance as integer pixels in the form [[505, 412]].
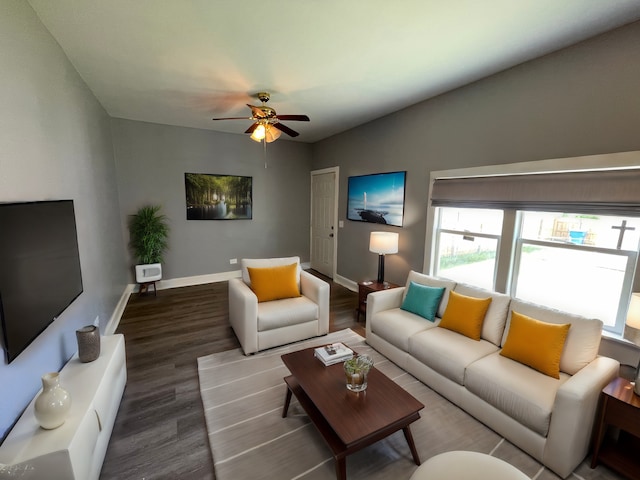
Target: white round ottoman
[[459, 465]]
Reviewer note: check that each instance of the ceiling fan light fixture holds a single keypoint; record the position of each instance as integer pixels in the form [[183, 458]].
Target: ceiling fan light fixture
[[259, 133], [272, 134], [267, 124]]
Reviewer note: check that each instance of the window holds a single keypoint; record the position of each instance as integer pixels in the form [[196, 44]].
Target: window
[[467, 242], [585, 262], [582, 264]]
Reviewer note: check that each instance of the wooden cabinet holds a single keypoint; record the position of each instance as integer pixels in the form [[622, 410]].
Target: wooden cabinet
[[364, 289], [616, 434]]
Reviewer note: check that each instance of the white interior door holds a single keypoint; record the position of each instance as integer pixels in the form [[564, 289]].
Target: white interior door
[[323, 221]]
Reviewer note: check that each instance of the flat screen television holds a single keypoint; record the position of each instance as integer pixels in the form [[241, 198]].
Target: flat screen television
[[39, 269]]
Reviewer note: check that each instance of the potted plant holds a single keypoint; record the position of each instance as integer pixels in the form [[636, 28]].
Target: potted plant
[[148, 232], [356, 369]]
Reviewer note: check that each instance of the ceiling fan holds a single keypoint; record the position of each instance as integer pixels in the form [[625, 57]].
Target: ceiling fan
[[267, 124]]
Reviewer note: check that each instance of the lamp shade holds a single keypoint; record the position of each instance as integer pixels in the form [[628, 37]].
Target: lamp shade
[[383, 242], [633, 315], [632, 327], [259, 133], [272, 134], [632, 331], [265, 132]]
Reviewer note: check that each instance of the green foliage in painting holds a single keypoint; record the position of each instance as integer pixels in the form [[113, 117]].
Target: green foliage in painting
[[212, 189]]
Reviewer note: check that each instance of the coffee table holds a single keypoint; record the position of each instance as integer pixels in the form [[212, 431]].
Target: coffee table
[[349, 421]]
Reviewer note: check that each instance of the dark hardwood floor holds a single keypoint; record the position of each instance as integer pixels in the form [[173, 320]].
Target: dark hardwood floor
[[159, 432]]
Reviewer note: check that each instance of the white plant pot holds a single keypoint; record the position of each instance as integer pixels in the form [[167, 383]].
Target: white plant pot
[[151, 272]]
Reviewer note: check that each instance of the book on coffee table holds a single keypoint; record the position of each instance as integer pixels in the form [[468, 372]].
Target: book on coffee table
[[333, 353]]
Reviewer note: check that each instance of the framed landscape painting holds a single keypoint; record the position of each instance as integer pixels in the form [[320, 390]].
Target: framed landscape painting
[[218, 197], [377, 198]]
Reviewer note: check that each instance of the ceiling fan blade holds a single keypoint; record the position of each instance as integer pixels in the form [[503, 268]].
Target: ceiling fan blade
[[252, 128], [285, 129], [299, 118], [233, 118]]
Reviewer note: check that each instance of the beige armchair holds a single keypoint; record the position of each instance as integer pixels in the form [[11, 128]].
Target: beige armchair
[[262, 325]]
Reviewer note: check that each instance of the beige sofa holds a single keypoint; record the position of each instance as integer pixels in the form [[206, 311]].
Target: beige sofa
[[550, 419], [262, 325]]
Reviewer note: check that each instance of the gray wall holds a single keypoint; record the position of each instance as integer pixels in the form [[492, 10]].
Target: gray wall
[[55, 143], [151, 161], [582, 100]]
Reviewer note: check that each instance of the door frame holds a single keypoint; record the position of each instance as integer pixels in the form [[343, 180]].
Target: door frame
[[336, 192]]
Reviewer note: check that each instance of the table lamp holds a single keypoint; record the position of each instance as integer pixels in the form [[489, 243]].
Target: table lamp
[[632, 331], [383, 243]]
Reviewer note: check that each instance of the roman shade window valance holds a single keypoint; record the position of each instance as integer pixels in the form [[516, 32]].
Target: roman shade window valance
[[613, 192]]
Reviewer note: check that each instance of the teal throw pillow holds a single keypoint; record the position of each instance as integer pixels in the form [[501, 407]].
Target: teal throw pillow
[[423, 300]]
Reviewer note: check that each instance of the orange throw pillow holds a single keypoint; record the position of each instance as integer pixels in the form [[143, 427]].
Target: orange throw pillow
[[465, 315], [274, 283], [535, 343]]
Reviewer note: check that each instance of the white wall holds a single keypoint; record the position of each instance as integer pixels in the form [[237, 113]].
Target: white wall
[[55, 143]]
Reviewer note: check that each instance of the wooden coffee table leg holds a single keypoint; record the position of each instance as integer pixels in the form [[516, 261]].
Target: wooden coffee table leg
[[287, 401], [412, 446], [341, 468]]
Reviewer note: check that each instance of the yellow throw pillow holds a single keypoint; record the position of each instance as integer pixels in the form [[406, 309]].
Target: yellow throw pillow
[[465, 314], [535, 343], [274, 283]]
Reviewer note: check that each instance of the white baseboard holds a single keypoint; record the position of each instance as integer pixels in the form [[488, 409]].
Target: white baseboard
[[345, 282], [197, 280], [114, 321]]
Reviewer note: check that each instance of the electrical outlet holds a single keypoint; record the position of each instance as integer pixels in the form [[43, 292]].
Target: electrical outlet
[[340, 223], [233, 261]]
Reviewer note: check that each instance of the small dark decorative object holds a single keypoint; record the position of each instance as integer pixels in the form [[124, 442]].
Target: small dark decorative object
[[88, 343]]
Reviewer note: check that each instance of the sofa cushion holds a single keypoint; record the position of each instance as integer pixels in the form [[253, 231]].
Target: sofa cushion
[[396, 326], [465, 315], [423, 279], [583, 340], [515, 389], [448, 352], [423, 300], [282, 313], [245, 263], [496, 317], [536, 344], [275, 283]]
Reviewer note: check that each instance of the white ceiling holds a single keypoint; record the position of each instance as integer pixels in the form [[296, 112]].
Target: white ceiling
[[342, 62]]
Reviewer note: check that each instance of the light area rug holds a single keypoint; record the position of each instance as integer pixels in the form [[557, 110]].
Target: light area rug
[[243, 399]]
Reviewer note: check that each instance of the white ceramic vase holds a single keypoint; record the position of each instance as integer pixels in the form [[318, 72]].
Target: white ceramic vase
[[53, 404]]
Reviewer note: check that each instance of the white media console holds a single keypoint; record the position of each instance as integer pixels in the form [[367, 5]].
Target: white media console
[[75, 450]]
